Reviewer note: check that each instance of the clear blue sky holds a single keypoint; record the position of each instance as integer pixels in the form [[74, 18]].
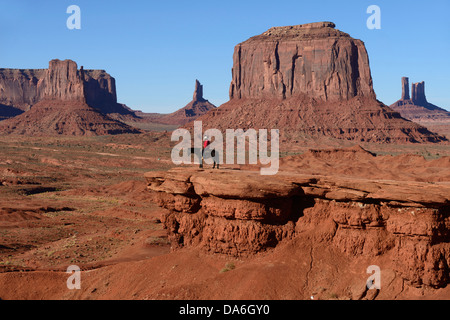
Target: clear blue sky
[[156, 49]]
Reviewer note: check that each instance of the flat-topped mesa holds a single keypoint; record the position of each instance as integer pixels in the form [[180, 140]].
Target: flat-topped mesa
[[312, 25], [313, 59], [303, 30], [22, 88]]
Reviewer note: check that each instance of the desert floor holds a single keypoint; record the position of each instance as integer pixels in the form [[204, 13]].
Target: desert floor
[[83, 201]]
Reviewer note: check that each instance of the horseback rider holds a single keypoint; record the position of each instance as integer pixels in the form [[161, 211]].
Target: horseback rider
[[206, 143]]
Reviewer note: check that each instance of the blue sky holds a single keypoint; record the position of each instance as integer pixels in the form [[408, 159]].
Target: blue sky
[[156, 49]]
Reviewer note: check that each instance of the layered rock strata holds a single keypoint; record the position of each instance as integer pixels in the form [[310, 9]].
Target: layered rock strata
[[22, 88], [60, 100], [310, 81], [241, 213], [314, 59]]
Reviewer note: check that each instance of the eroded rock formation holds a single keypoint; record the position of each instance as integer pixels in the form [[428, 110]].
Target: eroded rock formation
[[60, 100], [309, 81], [314, 59], [405, 88], [239, 213], [22, 88], [194, 109], [198, 91], [416, 108]]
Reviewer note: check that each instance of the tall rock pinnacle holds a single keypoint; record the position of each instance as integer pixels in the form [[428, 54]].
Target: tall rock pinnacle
[[194, 109], [198, 92], [405, 88], [418, 93]]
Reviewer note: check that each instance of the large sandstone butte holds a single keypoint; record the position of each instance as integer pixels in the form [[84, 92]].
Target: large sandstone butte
[[416, 108], [194, 109], [22, 88], [404, 225], [310, 81], [315, 59], [59, 100]]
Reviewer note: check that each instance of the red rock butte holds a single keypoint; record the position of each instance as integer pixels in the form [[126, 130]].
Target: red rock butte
[[314, 59], [22, 88], [310, 81], [60, 100]]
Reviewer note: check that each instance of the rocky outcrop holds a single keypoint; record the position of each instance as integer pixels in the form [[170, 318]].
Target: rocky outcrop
[[416, 108], [194, 109], [309, 81], [241, 213], [22, 88], [314, 59]]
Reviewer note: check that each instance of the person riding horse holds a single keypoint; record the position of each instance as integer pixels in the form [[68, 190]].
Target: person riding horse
[[206, 143]]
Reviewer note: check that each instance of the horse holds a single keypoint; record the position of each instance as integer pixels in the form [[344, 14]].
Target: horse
[[200, 153]]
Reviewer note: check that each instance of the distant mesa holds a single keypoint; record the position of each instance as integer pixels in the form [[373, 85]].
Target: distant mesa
[[60, 100], [22, 88], [415, 107], [310, 81]]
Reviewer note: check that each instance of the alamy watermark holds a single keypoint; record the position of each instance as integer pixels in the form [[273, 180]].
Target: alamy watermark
[[374, 281], [257, 142], [74, 281], [74, 20], [374, 21]]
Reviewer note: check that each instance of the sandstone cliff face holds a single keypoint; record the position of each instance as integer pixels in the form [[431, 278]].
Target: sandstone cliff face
[[408, 225], [60, 100], [313, 59], [63, 81], [21, 89]]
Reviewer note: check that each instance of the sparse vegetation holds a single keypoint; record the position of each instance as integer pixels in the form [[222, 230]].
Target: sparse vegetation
[[228, 267], [63, 183]]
